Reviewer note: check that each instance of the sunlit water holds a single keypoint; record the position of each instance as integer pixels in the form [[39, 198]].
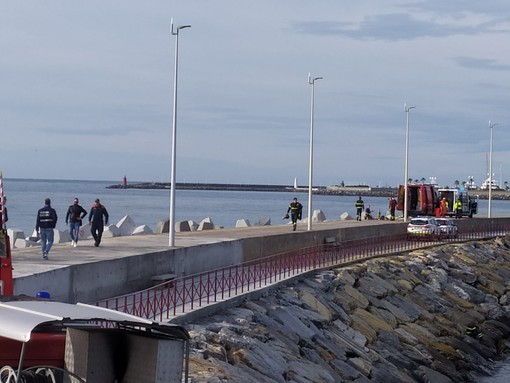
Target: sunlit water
[[148, 207]]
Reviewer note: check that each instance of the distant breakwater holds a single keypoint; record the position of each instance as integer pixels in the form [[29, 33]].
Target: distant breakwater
[[323, 190]]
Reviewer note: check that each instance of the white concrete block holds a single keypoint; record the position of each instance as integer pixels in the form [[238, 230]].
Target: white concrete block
[[182, 226], [22, 243], [162, 226], [61, 236], [345, 216], [144, 229], [193, 225], [14, 234], [318, 216], [111, 231], [206, 224], [126, 225], [263, 222], [84, 232], [243, 223]]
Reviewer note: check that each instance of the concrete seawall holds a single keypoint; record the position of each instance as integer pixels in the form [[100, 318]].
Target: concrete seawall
[[126, 264]]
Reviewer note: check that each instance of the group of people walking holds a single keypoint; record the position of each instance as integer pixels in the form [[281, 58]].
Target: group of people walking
[[47, 220]]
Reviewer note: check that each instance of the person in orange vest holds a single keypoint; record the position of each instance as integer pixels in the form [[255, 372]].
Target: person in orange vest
[[444, 207]]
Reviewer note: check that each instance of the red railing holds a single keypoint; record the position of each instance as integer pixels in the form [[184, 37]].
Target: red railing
[[187, 293]]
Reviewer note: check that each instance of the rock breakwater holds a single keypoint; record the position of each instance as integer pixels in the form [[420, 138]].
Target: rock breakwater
[[400, 318]]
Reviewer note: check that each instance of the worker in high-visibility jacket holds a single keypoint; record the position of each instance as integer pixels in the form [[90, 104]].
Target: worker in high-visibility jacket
[[457, 206]]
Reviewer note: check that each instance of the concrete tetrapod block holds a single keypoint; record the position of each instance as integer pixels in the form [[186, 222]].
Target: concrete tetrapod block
[[263, 222], [21, 243], [318, 216], [84, 232], [144, 229], [14, 234], [243, 223], [126, 225], [181, 226], [193, 225], [206, 224], [61, 236], [162, 226], [345, 216], [111, 231]]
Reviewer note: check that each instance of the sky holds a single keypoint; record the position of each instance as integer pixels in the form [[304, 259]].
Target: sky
[[86, 90]]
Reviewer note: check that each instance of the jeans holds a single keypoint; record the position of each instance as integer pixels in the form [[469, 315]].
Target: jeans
[[47, 237], [74, 228]]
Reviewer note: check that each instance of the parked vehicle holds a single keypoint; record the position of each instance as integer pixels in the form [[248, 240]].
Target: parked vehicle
[[423, 228], [448, 227], [420, 199], [469, 202]]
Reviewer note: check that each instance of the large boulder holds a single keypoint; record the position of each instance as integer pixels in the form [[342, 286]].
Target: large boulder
[[126, 225]]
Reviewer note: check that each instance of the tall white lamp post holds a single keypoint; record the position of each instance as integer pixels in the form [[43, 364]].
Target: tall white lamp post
[[489, 209], [171, 224], [311, 81], [406, 171]]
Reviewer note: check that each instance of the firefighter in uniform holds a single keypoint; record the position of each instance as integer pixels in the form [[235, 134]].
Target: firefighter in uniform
[[360, 205], [295, 209]]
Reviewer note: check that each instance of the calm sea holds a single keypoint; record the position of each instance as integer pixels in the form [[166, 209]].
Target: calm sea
[[148, 207]]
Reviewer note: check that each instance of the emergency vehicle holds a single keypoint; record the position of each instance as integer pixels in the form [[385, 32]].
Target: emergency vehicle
[[420, 199], [469, 202]]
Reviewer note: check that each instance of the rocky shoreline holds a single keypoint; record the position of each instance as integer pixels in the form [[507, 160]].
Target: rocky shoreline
[[401, 318]]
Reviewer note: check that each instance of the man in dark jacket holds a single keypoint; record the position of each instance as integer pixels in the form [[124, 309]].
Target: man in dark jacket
[[74, 216], [96, 215], [44, 226], [295, 209]]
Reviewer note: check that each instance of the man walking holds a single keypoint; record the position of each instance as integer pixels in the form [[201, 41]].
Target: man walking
[[44, 225], [458, 208], [295, 209], [97, 212], [74, 217]]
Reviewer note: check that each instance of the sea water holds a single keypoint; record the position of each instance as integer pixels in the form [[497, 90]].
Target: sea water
[[148, 207]]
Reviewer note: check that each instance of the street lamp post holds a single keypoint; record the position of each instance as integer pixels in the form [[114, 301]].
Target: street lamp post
[[311, 81], [406, 173], [171, 223], [489, 209]]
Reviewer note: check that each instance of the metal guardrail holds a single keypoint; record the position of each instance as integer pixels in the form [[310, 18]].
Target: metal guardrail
[[187, 293]]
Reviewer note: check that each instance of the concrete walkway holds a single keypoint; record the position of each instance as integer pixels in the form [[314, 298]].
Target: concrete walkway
[[28, 261]]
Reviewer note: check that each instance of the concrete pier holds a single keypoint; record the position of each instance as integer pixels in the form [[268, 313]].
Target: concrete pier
[[126, 264]]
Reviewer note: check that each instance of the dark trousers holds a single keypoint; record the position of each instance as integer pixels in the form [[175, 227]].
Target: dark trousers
[[97, 232]]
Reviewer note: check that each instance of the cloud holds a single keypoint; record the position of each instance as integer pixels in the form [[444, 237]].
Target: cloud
[[390, 27], [477, 63]]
